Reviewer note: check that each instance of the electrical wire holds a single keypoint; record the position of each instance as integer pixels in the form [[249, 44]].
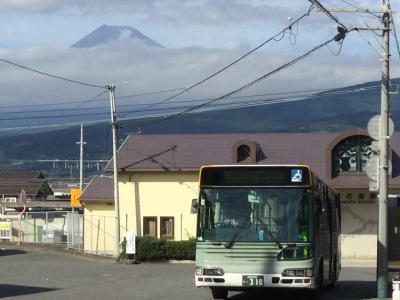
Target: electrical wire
[[369, 43], [292, 62], [215, 107], [244, 103], [394, 31], [90, 100], [364, 10], [171, 102], [282, 32], [51, 75], [338, 51], [83, 101], [332, 17]]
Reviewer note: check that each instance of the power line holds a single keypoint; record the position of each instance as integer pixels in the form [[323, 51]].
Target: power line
[[82, 101], [282, 32], [139, 104], [215, 107], [360, 8], [332, 17], [90, 100], [394, 31], [51, 75], [254, 102], [292, 62]]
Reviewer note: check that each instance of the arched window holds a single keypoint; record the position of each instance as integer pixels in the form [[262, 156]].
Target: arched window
[[351, 155], [243, 152]]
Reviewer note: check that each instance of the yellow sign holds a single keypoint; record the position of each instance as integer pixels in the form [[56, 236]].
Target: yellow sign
[[5, 226], [75, 194]]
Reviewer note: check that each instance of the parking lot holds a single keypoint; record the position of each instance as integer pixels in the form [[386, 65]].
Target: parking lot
[[29, 272]]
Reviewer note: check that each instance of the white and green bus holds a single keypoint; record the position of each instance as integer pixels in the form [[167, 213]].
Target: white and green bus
[[266, 226]]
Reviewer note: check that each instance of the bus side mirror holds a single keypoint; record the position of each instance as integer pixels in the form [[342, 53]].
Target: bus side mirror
[[195, 206]]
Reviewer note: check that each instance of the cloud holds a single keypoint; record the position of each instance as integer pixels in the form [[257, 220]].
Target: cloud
[[175, 11], [159, 69]]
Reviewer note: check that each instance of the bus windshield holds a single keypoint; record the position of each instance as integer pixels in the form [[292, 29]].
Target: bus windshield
[[256, 215]]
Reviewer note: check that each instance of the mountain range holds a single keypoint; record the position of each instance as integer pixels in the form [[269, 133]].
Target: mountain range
[[333, 110]]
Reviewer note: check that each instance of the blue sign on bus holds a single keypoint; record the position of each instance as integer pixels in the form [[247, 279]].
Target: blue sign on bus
[[297, 175]]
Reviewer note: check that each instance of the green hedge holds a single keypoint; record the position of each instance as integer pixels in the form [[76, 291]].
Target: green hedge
[[152, 249], [181, 250]]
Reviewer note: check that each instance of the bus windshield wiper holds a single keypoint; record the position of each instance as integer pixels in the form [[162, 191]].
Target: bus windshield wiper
[[271, 233], [232, 240], [276, 240]]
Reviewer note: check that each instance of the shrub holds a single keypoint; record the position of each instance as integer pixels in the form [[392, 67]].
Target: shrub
[[181, 250], [152, 249]]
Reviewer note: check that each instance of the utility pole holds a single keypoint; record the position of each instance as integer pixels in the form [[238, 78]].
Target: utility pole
[[382, 248], [114, 125], [81, 143], [383, 170]]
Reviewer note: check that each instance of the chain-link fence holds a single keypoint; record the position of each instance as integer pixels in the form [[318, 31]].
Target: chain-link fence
[[89, 233], [48, 227], [75, 231]]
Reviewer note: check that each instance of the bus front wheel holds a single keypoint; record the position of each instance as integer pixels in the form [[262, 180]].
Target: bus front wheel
[[219, 293]]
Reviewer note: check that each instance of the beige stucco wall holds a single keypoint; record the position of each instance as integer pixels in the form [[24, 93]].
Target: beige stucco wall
[[143, 194], [159, 194], [99, 228]]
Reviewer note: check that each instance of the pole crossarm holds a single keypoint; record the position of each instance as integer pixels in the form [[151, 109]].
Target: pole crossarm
[[343, 10]]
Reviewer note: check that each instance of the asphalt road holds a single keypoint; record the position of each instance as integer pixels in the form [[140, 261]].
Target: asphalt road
[[38, 273]]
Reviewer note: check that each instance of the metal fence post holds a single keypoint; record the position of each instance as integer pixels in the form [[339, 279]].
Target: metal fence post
[[79, 231], [91, 235], [47, 227]]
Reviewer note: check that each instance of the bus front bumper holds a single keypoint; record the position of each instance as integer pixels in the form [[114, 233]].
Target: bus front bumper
[[245, 281]]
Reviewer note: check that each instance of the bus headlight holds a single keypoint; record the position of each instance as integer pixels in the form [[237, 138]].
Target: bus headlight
[[298, 273], [210, 271], [295, 253], [199, 271]]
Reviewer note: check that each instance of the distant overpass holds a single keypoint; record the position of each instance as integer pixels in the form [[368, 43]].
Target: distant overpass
[[99, 164]]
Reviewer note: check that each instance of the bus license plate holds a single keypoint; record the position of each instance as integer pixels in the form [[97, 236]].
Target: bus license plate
[[252, 280]]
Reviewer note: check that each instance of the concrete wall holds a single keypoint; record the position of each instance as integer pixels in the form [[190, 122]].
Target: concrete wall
[[359, 224]]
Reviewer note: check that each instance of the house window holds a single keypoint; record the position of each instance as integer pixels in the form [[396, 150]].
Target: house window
[[243, 153], [167, 227], [10, 199], [351, 155], [150, 226]]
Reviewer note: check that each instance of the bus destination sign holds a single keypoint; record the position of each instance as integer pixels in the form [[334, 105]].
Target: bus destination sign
[[254, 176]]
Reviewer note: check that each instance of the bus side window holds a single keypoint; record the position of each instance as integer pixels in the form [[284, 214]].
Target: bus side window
[[318, 202], [338, 211]]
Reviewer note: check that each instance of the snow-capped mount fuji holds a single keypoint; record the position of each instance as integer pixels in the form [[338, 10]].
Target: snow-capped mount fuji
[[107, 34]]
